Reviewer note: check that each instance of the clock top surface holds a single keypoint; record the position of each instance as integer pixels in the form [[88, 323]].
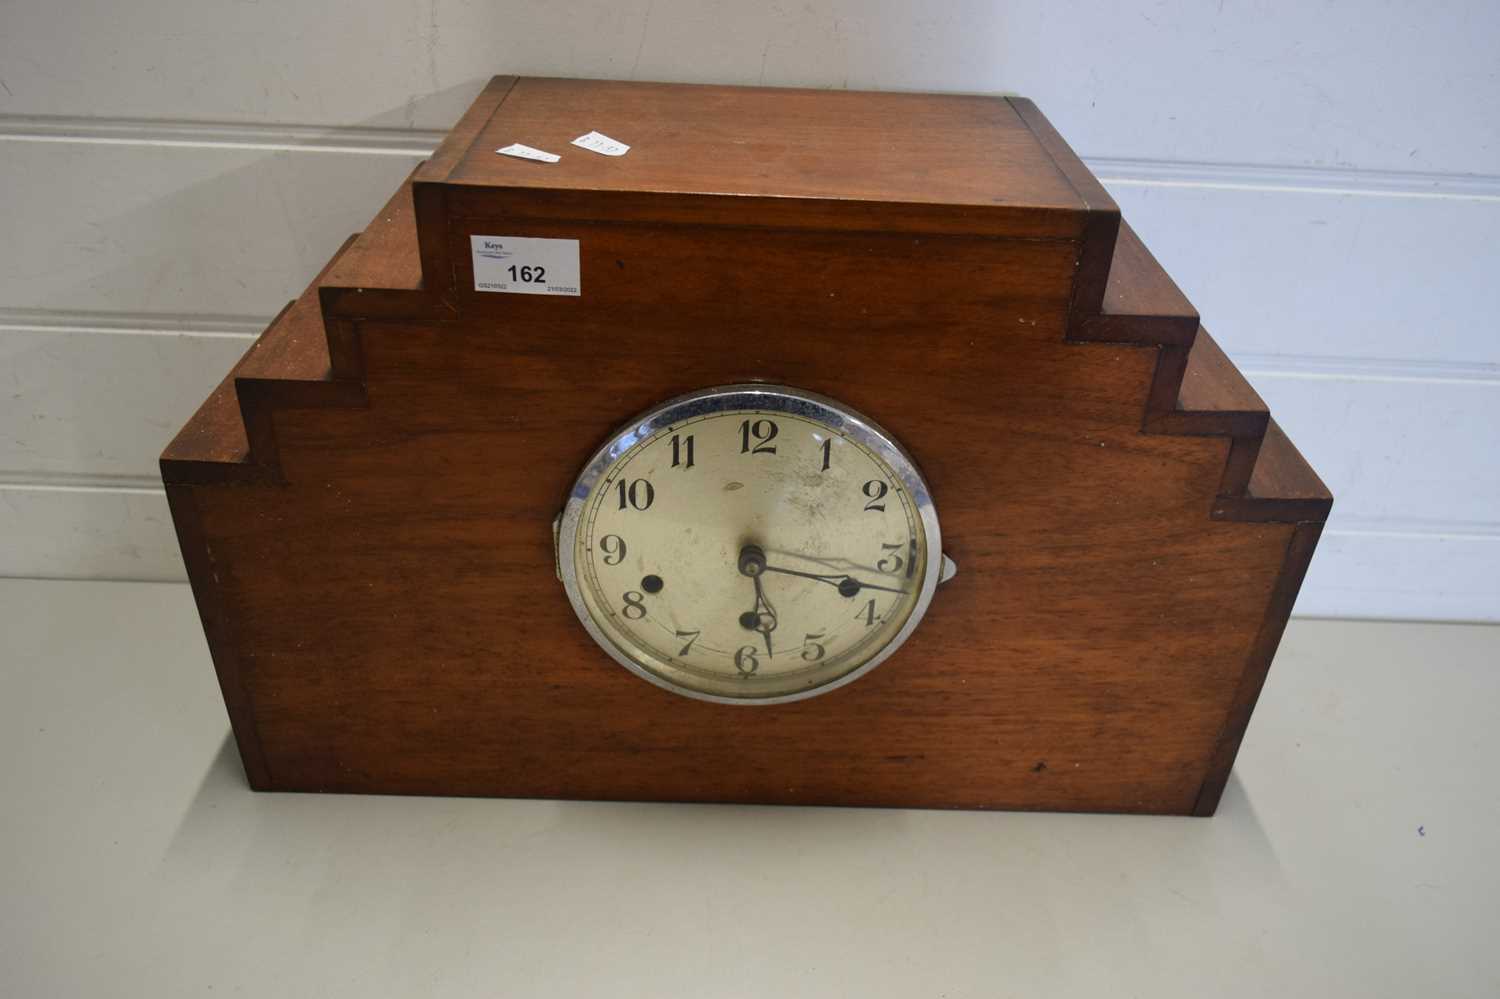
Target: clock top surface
[[948, 152]]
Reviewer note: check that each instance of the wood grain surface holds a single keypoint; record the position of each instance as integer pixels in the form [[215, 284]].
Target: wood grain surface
[[769, 142], [371, 547]]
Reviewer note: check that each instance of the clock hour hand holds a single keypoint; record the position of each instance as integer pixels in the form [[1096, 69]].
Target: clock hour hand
[[765, 616], [762, 617]]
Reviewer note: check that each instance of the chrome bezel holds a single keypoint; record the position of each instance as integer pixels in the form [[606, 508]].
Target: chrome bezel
[[750, 397]]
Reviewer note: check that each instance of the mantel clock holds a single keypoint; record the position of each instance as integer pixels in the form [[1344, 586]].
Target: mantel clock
[[780, 446]]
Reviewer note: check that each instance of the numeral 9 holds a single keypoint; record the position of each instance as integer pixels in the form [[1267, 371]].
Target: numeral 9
[[613, 547]]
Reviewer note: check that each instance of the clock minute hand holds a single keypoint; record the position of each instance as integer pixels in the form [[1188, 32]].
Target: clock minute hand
[[847, 585]]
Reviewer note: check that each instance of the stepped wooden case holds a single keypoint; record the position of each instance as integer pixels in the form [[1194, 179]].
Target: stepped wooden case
[[365, 504]]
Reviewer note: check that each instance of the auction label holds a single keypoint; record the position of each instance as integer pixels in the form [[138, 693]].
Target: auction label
[[602, 144], [525, 265]]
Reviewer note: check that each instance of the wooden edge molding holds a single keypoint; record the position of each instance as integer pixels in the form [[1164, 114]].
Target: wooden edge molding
[[218, 443], [203, 576], [1096, 248], [429, 191], [1196, 391], [1299, 552], [455, 145], [260, 398]]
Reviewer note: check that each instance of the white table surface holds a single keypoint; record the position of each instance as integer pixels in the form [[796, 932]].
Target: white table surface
[[1354, 853]]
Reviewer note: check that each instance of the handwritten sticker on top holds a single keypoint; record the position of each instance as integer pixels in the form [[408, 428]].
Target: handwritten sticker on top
[[521, 152], [602, 144]]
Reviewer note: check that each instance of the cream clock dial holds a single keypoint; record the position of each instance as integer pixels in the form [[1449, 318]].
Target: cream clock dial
[[750, 544]]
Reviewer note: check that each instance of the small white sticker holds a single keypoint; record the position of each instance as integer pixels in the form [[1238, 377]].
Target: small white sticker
[[525, 265], [599, 143], [521, 152]]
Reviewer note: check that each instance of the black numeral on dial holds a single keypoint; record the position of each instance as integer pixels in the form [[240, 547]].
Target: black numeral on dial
[[637, 495], [613, 547], [891, 563], [745, 660], [691, 636], [756, 437], [875, 490], [682, 451]]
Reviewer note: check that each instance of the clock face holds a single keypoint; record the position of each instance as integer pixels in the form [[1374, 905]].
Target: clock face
[[750, 544]]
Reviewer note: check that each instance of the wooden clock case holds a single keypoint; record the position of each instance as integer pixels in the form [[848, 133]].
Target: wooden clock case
[[365, 503]]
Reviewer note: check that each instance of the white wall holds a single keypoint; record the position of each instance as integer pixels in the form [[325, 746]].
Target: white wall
[[1323, 180]]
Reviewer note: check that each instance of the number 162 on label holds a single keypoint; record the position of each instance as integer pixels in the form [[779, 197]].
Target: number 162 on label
[[525, 265]]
